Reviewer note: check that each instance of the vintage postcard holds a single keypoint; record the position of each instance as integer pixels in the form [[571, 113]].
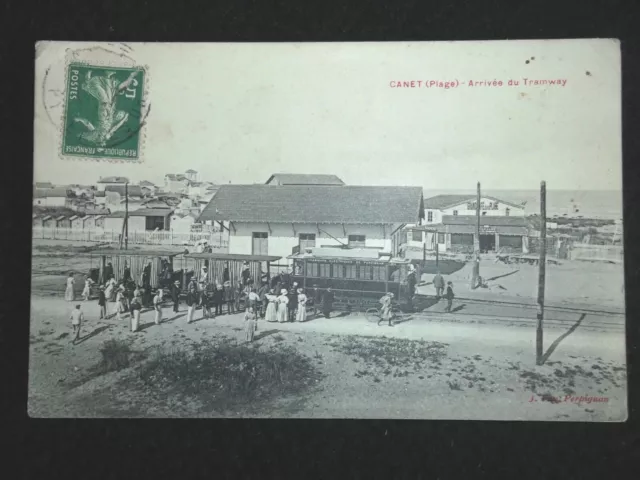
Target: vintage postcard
[[343, 230]]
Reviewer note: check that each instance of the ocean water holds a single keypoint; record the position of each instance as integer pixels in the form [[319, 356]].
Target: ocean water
[[605, 204]]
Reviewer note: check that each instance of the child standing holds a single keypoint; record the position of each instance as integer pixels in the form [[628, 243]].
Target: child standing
[[449, 296], [86, 291], [102, 303], [205, 300], [251, 323], [77, 317], [157, 306]]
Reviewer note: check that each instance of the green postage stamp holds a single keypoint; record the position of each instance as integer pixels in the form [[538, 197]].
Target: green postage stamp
[[104, 108]]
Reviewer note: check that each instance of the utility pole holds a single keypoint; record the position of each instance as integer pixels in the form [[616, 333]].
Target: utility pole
[[126, 215], [437, 250], [476, 244], [542, 264]]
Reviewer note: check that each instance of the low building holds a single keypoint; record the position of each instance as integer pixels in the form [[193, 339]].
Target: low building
[[457, 234], [464, 205], [50, 197], [36, 220], [49, 221], [77, 222], [105, 182], [100, 198], [293, 179], [275, 220], [145, 219], [63, 222], [176, 183]]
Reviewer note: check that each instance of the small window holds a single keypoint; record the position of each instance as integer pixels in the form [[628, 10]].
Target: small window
[[441, 238], [350, 271], [455, 212], [507, 211], [429, 216], [324, 270], [416, 235], [484, 213], [306, 240], [356, 240]]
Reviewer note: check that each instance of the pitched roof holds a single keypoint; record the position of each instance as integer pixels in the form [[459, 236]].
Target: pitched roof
[[319, 204], [97, 212], [303, 179], [144, 212], [484, 220], [50, 192], [145, 183], [132, 190], [99, 193], [176, 176], [440, 202], [122, 180], [44, 185], [190, 171]]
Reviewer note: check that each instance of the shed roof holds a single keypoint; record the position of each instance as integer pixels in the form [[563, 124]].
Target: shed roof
[[122, 180], [231, 256], [488, 220], [145, 212], [304, 179], [140, 253], [132, 190], [440, 202], [50, 192], [320, 204]]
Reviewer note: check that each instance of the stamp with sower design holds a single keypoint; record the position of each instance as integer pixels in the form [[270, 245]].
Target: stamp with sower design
[[103, 112]]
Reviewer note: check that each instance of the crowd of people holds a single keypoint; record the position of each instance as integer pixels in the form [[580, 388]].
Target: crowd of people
[[280, 300]]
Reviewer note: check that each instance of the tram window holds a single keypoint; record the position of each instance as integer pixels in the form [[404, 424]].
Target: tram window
[[366, 272], [324, 270], [338, 271], [379, 273], [312, 269], [350, 271]]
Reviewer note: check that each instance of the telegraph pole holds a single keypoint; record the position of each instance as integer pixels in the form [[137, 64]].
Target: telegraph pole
[[542, 264], [437, 249], [476, 244], [126, 215]]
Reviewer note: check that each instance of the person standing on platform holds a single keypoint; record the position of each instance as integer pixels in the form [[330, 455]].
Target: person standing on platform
[[121, 307], [69, 294], [102, 303], [438, 283], [157, 306], [86, 291], [327, 302], [449, 296], [110, 288], [283, 301], [192, 302], [271, 312], [135, 308], [317, 300], [262, 298], [175, 295], [229, 298], [293, 302], [301, 315], [218, 299]]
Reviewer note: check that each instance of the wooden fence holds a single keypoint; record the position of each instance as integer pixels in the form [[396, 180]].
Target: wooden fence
[[135, 237]]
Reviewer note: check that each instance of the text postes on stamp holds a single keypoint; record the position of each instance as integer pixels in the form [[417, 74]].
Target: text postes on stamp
[[103, 112]]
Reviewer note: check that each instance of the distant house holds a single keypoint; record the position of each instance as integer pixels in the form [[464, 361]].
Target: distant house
[[98, 221], [176, 183], [50, 197], [99, 197], [131, 190], [182, 223], [155, 203], [104, 182], [49, 221], [195, 189], [148, 188], [191, 175], [44, 185], [293, 179], [36, 220], [441, 205], [145, 219]]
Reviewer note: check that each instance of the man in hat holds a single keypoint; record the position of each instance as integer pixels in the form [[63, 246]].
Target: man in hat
[[327, 302], [438, 283], [175, 295], [246, 273], [316, 299], [262, 294], [102, 303], [293, 301]]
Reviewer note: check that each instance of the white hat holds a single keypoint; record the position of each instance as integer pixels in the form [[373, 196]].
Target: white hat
[[283, 291]]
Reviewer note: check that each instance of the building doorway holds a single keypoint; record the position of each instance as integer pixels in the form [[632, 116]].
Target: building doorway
[[260, 243], [487, 243]]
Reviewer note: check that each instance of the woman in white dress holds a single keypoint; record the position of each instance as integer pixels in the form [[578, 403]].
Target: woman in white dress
[[271, 314], [86, 291], [120, 303], [69, 294], [301, 314], [283, 311], [109, 290]]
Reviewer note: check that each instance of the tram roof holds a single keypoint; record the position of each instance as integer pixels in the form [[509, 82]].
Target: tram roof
[[351, 254], [231, 256], [138, 253]]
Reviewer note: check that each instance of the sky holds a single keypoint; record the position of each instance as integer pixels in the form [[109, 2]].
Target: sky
[[240, 112]]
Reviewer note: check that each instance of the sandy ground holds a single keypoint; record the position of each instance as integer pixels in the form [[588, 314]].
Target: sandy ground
[[452, 371]]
